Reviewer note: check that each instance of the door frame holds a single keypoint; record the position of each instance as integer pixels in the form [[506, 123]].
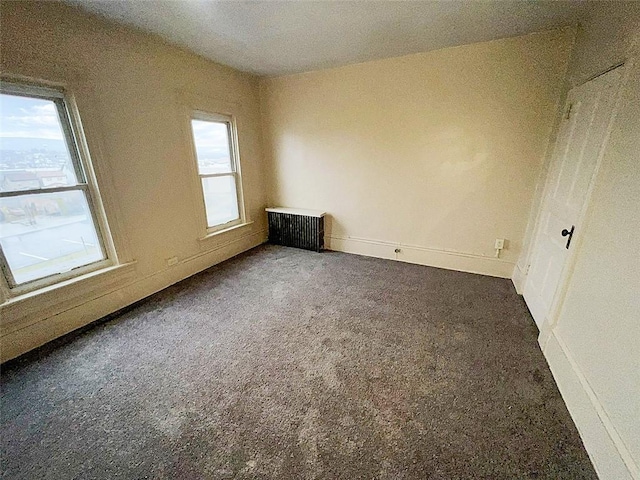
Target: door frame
[[551, 319]]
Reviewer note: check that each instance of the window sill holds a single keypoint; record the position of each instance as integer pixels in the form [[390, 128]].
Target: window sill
[[213, 238], [21, 310]]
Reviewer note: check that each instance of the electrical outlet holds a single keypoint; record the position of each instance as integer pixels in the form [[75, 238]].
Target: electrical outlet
[[172, 261], [499, 244]]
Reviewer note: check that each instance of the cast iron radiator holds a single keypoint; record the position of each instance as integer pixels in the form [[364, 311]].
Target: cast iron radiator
[[293, 227]]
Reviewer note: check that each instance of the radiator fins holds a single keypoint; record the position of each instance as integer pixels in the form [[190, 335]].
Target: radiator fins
[[298, 231]]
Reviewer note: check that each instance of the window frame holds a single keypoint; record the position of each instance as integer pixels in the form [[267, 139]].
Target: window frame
[[234, 156], [85, 182]]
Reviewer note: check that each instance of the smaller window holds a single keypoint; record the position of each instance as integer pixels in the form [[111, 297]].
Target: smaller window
[[217, 161]]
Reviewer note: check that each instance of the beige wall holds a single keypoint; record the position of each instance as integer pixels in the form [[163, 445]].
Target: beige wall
[[437, 153], [593, 347], [133, 93]]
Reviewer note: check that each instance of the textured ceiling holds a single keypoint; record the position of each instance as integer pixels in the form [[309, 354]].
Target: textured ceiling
[[276, 37]]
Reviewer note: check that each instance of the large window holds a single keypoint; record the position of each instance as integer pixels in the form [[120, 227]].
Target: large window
[[217, 159], [48, 229]]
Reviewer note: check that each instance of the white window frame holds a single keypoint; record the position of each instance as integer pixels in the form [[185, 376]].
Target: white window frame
[[76, 143], [230, 121]]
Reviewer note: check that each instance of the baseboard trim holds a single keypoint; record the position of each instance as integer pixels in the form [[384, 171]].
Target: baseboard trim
[[44, 330], [432, 257], [608, 453]]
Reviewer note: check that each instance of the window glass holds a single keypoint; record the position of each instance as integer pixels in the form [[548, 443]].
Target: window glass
[[33, 150], [47, 233], [212, 146], [220, 199]]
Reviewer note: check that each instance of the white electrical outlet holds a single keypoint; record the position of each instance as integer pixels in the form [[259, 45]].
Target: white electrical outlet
[[499, 244], [172, 261]]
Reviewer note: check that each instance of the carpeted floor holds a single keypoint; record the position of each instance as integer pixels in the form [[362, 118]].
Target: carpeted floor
[[287, 364]]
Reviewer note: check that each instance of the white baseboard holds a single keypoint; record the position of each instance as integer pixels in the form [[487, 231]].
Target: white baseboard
[[610, 457], [43, 330], [448, 259]]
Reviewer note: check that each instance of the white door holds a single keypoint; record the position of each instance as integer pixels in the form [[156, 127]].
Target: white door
[[581, 140]]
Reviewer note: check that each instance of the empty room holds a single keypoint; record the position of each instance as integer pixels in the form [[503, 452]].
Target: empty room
[[320, 239]]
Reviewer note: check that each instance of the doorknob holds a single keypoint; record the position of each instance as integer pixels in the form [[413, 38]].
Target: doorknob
[[568, 233]]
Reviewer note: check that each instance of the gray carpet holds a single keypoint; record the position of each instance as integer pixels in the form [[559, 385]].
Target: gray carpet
[[287, 364]]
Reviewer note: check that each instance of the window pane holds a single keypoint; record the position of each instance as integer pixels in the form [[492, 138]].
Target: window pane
[[220, 199], [47, 233], [33, 150], [212, 146]]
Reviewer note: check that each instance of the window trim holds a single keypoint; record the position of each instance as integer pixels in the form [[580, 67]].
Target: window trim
[[232, 135], [85, 181]]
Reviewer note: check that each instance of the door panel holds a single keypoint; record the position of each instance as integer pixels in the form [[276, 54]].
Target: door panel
[[581, 139]]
